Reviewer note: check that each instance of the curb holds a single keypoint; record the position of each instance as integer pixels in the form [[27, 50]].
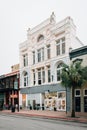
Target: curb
[[79, 120]]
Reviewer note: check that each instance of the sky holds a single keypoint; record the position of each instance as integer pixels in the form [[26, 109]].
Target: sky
[[16, 16]]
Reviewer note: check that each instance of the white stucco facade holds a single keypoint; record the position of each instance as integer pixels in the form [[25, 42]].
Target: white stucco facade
[[41, 56]]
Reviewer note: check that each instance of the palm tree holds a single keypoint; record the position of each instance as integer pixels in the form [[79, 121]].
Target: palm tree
[[74, 76]]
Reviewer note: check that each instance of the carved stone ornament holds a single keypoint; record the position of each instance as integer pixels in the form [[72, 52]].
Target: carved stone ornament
[[52, 18]]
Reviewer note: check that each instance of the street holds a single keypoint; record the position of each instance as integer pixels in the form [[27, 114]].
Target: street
[[13, 122]]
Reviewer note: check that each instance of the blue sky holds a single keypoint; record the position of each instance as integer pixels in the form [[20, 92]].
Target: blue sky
[[16, 16]]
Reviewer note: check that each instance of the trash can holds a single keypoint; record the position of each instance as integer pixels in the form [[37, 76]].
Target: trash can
[[13, 109]]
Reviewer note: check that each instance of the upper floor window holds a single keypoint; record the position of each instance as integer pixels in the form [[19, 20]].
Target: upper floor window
[[11, 82], [40, 38], [49, 74], [77, 92], [85, 92], [7, 83], [25, 60], [34, 78], [33, 57], [25, 79], [63, 45], [39, 76], [43, 75], [59, 70], [40, 55], [48, 52], [60, 46]]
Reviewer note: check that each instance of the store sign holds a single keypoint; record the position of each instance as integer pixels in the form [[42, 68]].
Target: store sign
[[13, 96]]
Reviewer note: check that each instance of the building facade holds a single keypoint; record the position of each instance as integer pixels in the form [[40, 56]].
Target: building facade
[[80, 93], [41, 58], [9, 88]]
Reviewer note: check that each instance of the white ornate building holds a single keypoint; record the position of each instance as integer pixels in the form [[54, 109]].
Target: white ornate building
[[41, 57]]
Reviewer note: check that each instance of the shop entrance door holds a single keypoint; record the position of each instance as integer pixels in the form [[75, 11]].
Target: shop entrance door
[[77, 104], [34, 104], [85, 104]]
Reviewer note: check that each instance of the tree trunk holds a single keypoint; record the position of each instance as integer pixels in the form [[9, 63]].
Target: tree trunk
[[73, 103]]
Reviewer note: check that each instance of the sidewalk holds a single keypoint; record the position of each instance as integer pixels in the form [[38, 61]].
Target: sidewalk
[[49, 114]]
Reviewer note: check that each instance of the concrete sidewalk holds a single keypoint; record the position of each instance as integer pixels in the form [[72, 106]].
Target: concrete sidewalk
[[49, 114]]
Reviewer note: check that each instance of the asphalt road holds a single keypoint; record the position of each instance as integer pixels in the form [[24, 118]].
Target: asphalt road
[[8, 122]]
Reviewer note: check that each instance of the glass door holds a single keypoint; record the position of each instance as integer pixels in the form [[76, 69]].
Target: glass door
[[77, 104], [85, 104]]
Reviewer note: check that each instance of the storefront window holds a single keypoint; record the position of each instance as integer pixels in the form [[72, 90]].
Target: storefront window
[[50, 100], [61, 102], [55, 100]]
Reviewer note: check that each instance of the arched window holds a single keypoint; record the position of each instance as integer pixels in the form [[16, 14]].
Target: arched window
[[40, 38], [25, 60], [25, 79], [59, 70]]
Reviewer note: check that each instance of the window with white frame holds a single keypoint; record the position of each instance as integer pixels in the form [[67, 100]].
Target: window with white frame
[[39, 76], [59, 71], [49, 74], [43, 75], [25, 79], [77, 92], [34, 78], [33, 57], [85, 92], [25, 60], [60, 46], [63, 45], [48, 52], [40, 55]]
